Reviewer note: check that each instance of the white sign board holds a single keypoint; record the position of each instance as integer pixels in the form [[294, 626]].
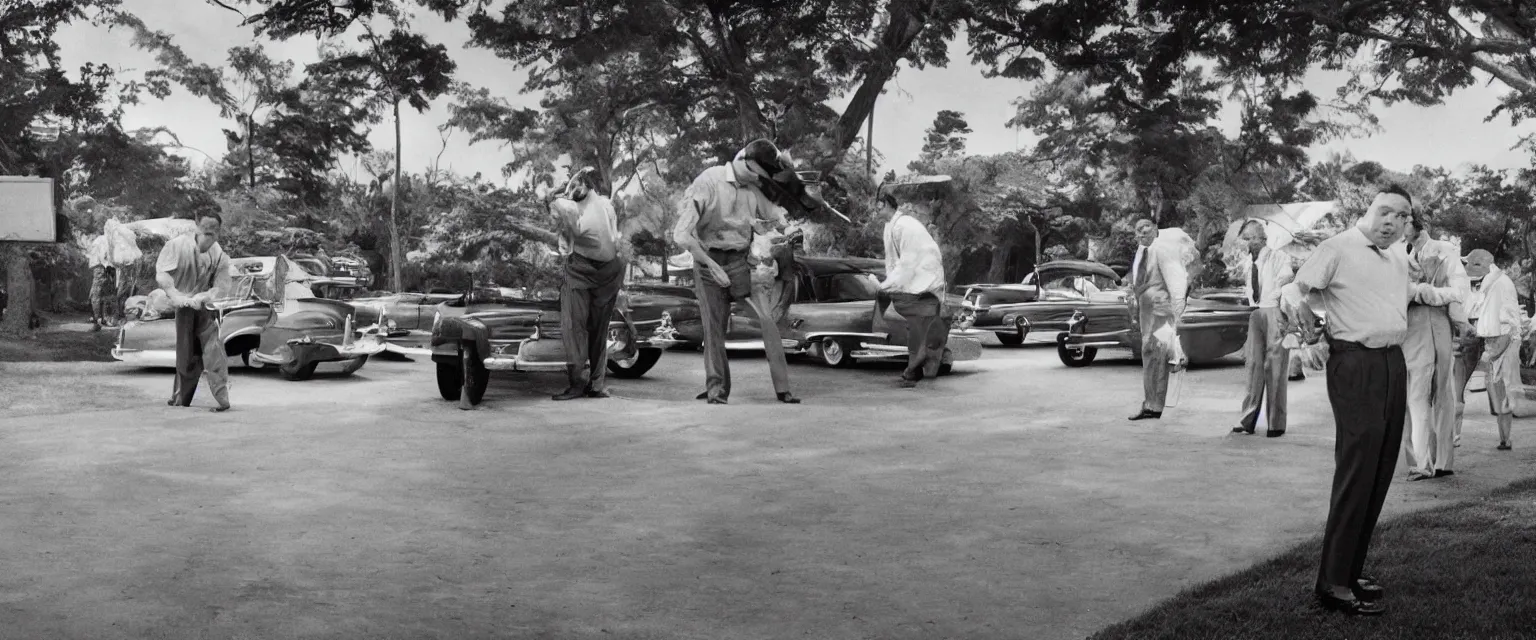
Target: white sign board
[[26, 210]]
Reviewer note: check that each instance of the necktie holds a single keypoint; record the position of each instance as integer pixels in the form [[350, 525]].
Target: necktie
[[1253, 275], [1141, 265]]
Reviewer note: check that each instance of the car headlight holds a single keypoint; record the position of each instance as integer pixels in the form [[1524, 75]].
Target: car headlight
[[1011, 318], [391, 324]]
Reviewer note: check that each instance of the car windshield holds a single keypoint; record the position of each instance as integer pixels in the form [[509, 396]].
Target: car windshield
[[850, 287], [1077, 286]]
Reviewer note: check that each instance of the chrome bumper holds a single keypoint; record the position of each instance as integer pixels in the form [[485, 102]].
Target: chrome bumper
[[145, 358], [790, 346]]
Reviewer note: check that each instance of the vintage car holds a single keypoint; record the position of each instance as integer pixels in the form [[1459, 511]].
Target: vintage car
[[342, 270], [406, 318], [831, 317], [271, 318], [1044, 301], [1215, 325], [483, 331]]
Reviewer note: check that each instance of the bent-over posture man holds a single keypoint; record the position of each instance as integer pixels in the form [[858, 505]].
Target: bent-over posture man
[[715, 224], [1159, 284], [103, 283], [914, 284], [1496, 307], [1435, 315], [588, 230], [1362, 280], [193, 270], [1268, 360]]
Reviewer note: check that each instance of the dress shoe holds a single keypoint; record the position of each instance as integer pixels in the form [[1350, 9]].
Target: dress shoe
[[220, 409], [1416, 475], [1297, 378], [788, 398], [1237, 429], [1144, 415], [1366, 589], [173, 403], [1441, 473], [718, 401], [908, 384], [702, 396], [1504, 446], [1273, 434], [1350, 606], [568, 394], [598, 393]]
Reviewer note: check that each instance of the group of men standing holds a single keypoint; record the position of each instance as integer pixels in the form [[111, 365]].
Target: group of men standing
[[737, 237]]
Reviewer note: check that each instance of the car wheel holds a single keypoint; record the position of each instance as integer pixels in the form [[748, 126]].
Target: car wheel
[[1011, 339], [245, 359], [1076, 357], [450, 380], [945, 368], [835, 353], [353, 365], [476, 377], [291, 371], [636, 366]]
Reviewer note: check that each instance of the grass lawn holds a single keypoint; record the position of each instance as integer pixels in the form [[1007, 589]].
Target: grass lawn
[[59, 346], [1466, 570]]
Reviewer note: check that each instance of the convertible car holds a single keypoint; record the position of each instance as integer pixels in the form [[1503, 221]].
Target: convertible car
[[271, 318], [831, 318], [1044, 301], [482, 332], [406, 318], [1215, 325]]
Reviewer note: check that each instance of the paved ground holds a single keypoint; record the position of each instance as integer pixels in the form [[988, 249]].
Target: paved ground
[[1010, 500]]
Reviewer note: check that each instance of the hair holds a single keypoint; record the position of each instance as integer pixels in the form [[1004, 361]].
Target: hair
[[1417, 220], [887, 200], [1138, 222], [763, 152], [1251, 222], [1396, 189], [210, 213]]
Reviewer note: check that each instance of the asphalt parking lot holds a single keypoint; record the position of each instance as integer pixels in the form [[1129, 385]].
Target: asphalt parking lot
[[1011, 499]]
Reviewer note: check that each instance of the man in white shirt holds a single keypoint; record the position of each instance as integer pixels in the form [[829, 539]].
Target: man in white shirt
[[103, 283], [1435, 314], [914, 283], [1159, 286], [1268, 360], [588, 230], [1495, 315]]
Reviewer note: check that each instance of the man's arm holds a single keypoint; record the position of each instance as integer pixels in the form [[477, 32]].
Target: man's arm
[[899, 270], [165, 265], [686, 232], [1176, 277]]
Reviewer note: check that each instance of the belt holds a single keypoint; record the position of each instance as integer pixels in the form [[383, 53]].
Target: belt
[[1346, 345]]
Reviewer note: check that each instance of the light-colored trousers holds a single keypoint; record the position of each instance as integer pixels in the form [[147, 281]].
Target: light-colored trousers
[[1154, 358], [1269, 364], [1432, 385]]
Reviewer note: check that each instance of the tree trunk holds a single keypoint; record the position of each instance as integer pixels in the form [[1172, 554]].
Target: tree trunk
[[999, 264], [905, 25], [394, 222], [250, 149], [18, 286]]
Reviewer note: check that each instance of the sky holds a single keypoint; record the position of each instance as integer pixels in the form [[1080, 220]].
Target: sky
[[1452, 135]]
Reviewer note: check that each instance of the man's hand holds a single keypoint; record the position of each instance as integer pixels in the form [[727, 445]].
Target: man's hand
[[1465, 329], [718, 273]]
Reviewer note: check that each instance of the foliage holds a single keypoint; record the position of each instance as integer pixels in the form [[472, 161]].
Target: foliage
[[946, 138]]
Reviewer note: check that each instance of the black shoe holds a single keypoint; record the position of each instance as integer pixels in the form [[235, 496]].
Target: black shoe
[[788, 398], [1366, 589], [1297, 378], [702, 396], [908, 384], [1273, 434], [568, 394], [1154, 415], [220, 409], [598, 393], [1238, 429], [1349, 606], [173, 403], [1504, 446], [1441, 473], [718, 401]]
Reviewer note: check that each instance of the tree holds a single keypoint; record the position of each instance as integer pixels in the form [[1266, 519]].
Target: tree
[[944, 139], [36, 94], [402, 67]]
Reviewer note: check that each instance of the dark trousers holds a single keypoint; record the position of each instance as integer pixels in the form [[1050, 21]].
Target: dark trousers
[[199, 351], [587, 300], [1368, 389], [927, 333], [715, 314]]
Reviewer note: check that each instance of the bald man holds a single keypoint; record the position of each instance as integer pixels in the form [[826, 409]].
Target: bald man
[[1495, 315], [1361, 277]]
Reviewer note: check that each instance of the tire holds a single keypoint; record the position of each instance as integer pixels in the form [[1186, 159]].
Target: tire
[[478, 378], [1011, 339], [353, 365], [1076, 357], [296, 373], [245, 359], [450, 380], [634, 367], [834, 353], [945, 368]]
